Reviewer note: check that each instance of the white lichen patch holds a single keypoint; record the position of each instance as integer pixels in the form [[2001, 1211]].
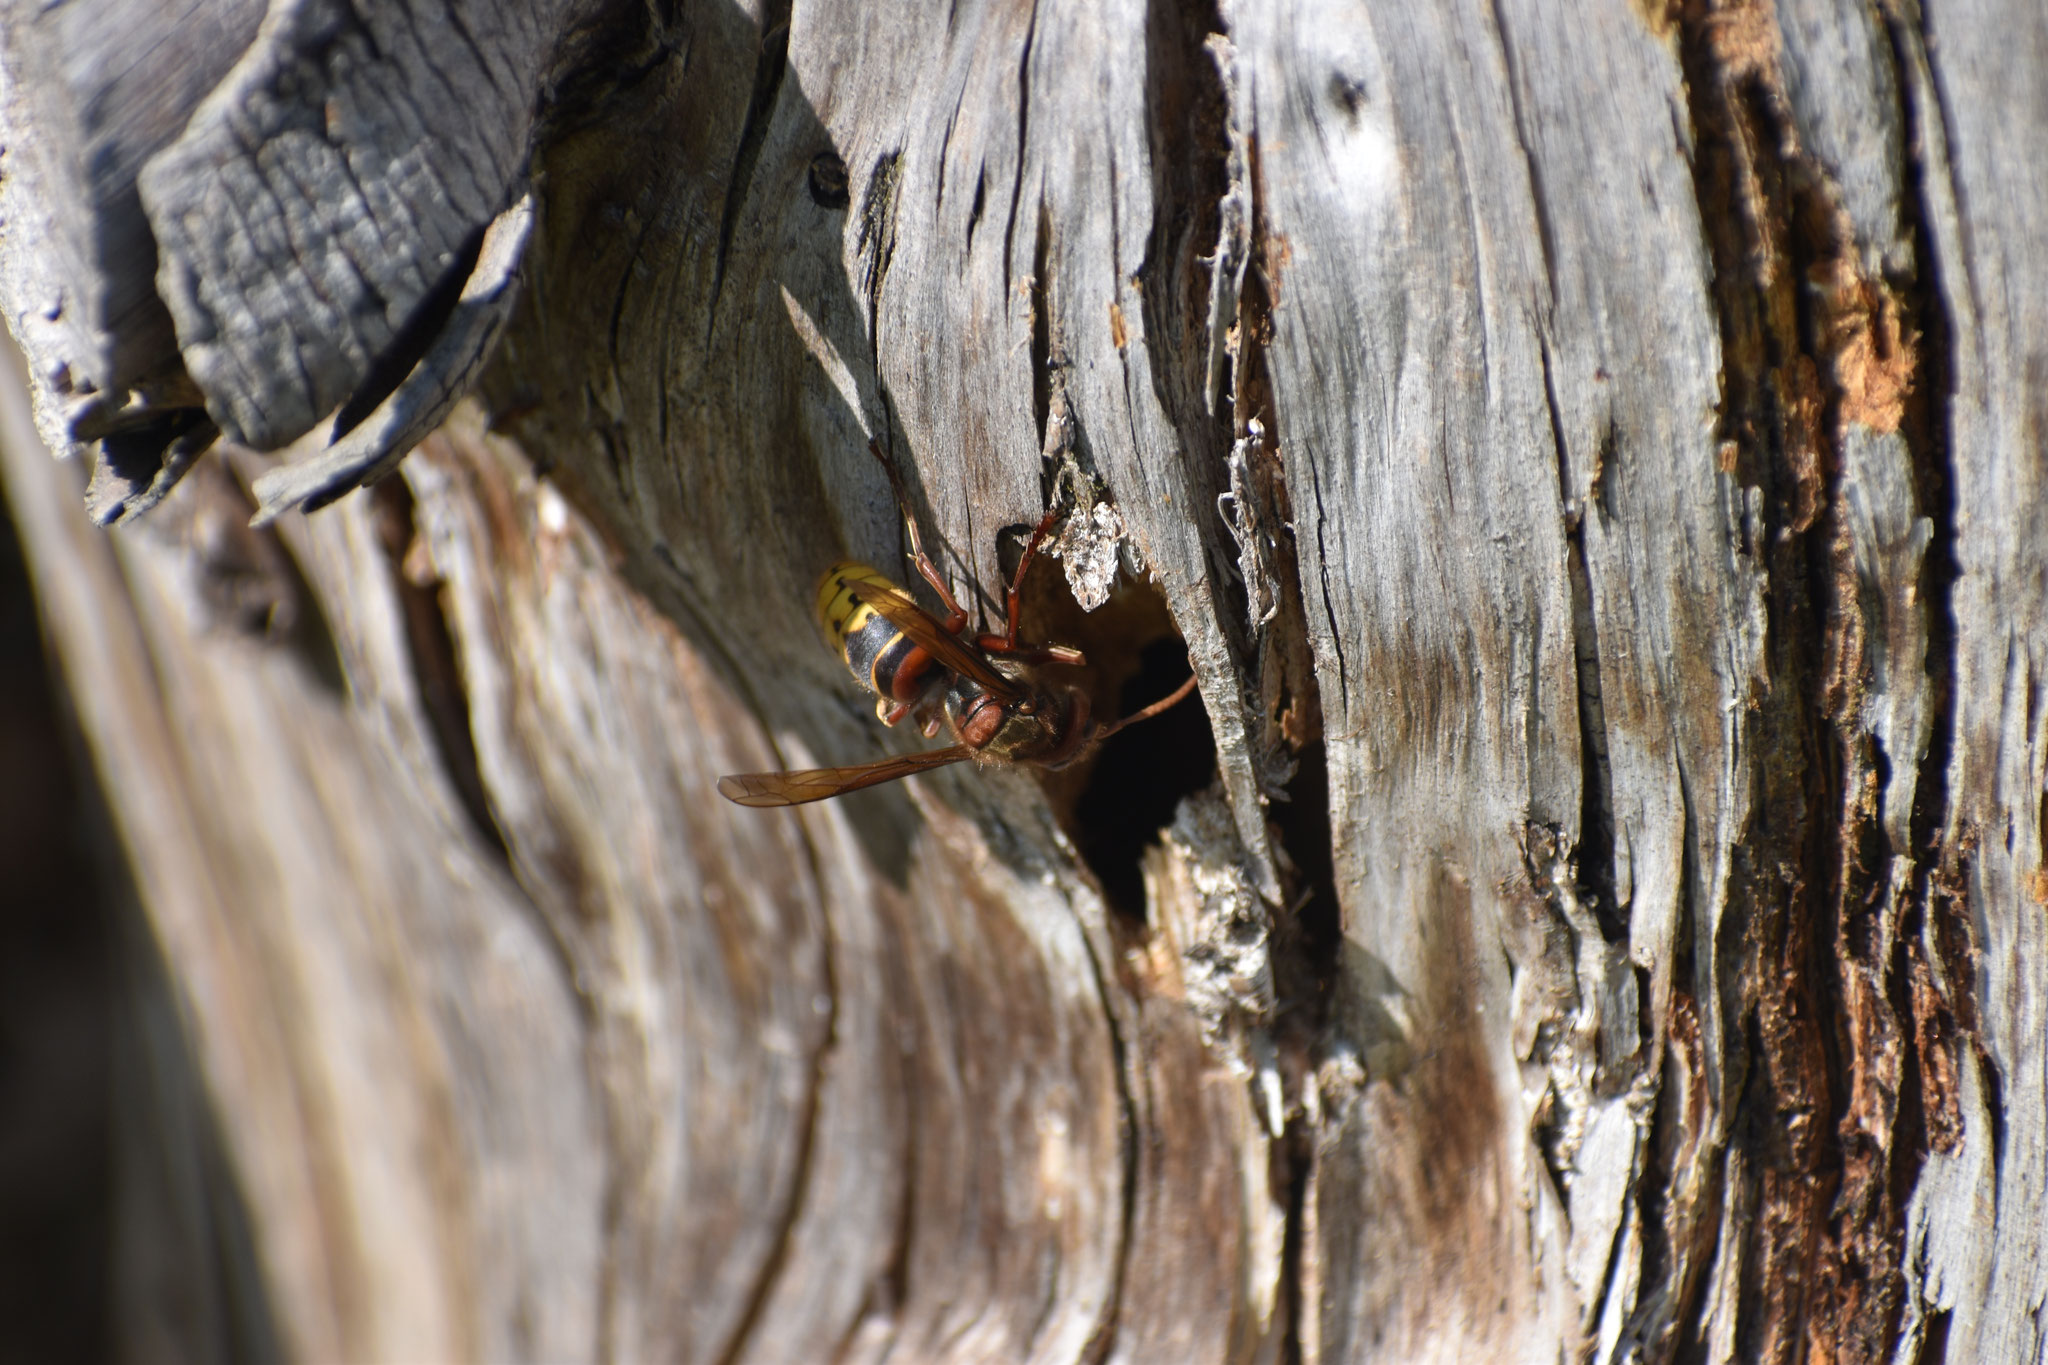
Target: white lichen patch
[[1086, 548]]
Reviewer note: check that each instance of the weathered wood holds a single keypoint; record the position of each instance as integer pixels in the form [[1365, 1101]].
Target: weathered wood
[[270, 220], [1592, 460], [393, 1058], [1979, 972], [90, 93]]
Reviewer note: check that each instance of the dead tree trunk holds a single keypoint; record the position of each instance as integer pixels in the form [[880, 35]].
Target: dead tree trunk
[[1591, 455]]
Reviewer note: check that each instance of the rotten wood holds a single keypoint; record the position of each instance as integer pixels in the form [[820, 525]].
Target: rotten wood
[[1591, 460]]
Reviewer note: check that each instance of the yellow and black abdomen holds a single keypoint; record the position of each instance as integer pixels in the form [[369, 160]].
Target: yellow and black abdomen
[[881, 658]]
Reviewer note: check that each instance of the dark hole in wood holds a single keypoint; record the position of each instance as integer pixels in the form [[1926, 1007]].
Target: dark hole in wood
[[828, 181], [1293, 1160], [1348, 93], [1304, 821], [1114, 802], [1141, 775], [1934, 1341]]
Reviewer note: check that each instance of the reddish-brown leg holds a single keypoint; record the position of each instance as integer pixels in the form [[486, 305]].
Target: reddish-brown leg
[[1009, 639], [956, 616], [1006, 643]]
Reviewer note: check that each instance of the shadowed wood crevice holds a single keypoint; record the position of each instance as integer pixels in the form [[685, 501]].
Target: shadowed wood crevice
[[1039, 273], [436, 669], [1226, 206], [1703, 1252], [1775, 425], [429, 316], [136, 467], [1959, 982], [1592, 857], [1056, 433], [769, 67], [1211, 273], [1942, 989]]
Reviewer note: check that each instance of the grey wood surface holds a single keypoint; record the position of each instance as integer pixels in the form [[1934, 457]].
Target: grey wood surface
[[1592, 457]]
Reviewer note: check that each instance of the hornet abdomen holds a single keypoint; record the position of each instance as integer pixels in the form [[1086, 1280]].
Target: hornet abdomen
[[881, 658]]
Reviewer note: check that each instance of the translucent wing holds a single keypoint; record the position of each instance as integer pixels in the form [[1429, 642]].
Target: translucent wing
[[900, 610], [815, 784]]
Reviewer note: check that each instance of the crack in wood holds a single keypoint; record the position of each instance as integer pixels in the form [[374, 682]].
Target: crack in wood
[[1927, 418], [875, 247], [1023, 142], [771, 63], [1818, 366], [436, 664], [1595, 851], [1043, 378], [1222, 202], [1679, 1226], [974, 210], [768, 1277]]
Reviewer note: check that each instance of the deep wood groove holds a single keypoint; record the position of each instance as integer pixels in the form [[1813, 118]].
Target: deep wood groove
[[1595, 852], [1023, 148], [769, 68], [436, 665], [1773, 418], [1932, 917], [1042, 360]]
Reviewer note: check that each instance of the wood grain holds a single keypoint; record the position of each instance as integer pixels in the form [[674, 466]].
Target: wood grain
[[1590, 459]]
